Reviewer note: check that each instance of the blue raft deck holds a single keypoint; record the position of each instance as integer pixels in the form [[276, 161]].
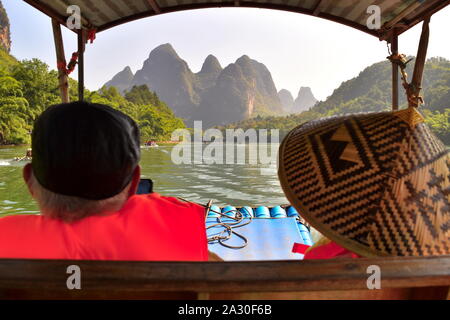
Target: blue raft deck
[[260, 233]]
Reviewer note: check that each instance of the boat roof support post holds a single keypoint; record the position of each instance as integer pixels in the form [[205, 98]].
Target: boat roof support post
[[395, 83], [414, 98], [81, 46], [60, 60]]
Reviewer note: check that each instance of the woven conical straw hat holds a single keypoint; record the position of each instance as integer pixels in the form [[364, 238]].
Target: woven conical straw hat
[[377, 184]]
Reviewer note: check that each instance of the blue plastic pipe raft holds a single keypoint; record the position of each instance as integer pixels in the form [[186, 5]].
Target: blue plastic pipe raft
[[277, 212], [262, 212], [291, 211], [213, 214], [247, 212], [304, 232], [229, 211]]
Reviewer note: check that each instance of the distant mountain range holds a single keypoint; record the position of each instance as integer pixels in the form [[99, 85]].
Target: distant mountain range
[[215, 95], [305, 100], [370, 91]]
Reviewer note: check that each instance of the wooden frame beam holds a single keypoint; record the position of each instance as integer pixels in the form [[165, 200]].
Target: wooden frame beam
[[81, 47], [395, 83], [316, 8], [62, 19], [429, 7], [60, 60], [246, 4], [421, 57], [84, 21], [154, 6], [48, 11], [401, 15]]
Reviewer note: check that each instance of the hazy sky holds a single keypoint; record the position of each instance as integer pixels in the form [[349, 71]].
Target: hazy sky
[[298, 50]]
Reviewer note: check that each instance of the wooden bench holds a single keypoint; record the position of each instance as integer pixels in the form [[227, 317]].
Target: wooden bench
[[401, 278]]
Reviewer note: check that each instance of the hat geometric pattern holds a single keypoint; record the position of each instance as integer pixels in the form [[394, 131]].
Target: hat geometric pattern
[[378, 183]]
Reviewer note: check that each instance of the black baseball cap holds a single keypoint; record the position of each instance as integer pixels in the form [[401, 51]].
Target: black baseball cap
[[86, 150]]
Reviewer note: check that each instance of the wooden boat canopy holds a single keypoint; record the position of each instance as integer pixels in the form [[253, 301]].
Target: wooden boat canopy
[[100, 15]]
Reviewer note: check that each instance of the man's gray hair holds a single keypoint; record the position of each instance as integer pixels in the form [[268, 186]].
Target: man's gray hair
[[69, 208]]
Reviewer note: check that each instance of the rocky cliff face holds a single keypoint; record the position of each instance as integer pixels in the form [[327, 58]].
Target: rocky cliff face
[[304, 101], [5, 33], [287, 100], [209, 73], [211, 66], [170, 77], [261, 82], [226, 101], [242, 90], [214, 95], [122, 81]]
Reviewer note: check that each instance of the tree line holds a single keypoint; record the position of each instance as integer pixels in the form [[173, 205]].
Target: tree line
[[371, 91], [28, 87]]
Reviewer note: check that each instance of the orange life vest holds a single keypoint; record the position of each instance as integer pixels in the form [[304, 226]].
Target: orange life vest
[[148, 227]]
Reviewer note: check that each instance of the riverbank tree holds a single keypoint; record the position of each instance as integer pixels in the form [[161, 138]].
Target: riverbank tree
[[28, 87]]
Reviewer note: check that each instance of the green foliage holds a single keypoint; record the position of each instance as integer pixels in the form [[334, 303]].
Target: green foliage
[[28, 87], [284, 123], [14, 109], [371, 91], [7, 61], [142, 95], [154, 118], [439, 122], [39, 85]]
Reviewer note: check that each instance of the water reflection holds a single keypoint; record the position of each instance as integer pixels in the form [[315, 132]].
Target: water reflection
[[237, 185]]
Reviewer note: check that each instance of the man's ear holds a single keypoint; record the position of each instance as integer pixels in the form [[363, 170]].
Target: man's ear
[[135, 181], [26, 173]]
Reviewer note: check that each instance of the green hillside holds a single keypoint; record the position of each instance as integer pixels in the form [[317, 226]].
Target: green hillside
[[6, 60], [154, 118], [28, 87], [370, 91]]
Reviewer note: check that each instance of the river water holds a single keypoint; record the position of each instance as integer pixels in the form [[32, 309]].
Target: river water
[[227, 184]]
